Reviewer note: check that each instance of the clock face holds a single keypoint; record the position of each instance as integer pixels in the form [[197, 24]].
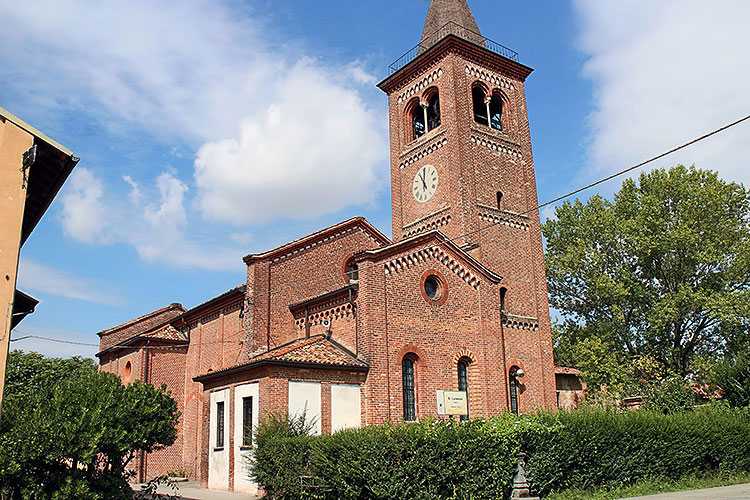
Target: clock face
[[425, 183]]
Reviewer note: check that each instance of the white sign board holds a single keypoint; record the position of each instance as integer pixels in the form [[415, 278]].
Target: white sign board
[[452, 403]]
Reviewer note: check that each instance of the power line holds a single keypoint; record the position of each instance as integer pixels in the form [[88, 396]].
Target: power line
[[489, 226]]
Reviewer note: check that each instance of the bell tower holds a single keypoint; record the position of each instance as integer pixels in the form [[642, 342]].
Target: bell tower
[[461, 161]]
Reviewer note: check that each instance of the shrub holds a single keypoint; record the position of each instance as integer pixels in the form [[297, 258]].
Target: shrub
[[733, 376], [73, 434], [609, 448], [477, 459], [431, 459]]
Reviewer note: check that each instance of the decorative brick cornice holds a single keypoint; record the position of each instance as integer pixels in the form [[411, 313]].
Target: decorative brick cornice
[[321, 313], [515, 322], [496, 144], [494, 79], [404, 262], [420, 85], [415, 154], [429, 222], [497, 216]]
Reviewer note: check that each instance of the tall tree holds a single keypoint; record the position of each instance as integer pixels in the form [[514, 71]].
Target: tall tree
[[663, 270]]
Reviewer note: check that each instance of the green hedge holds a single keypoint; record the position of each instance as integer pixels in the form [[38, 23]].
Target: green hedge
[[608, 448], [477, 459]]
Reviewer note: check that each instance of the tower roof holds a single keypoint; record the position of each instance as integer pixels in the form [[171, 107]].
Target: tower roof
[[455, 16]]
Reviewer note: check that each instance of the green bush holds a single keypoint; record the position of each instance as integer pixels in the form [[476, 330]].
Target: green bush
[[431, 459], [609, 448], [477, 459], [71, 431]]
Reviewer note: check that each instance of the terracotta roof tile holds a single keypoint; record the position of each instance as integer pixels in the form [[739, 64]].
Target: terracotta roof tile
[[316, 350]]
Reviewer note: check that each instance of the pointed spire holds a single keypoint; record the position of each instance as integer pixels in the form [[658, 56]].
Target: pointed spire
[[454, 12]]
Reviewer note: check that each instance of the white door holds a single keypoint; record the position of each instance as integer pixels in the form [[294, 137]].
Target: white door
[[346, 407], [245, 424], [304, 398], [218, 441]]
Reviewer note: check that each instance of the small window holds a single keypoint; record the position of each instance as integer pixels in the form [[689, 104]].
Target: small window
[[496, 112], [503, 296], [479, 99], [220, 424], [513, 382], [418, 125], [433, 287], [407, 380], [433, 112], [127, 373], [247, 421], [352, 272], [499, 199], [463, 380]]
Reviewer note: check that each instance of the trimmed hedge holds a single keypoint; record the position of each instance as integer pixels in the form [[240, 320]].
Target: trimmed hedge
[[608, 448], [477, 459]]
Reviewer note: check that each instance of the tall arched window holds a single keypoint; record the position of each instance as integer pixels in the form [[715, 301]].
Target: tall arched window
[[503, 297], [479, 100], [463, 379], [433, 111], [496, 112], [513, 388], [407, 381], [418, 124]]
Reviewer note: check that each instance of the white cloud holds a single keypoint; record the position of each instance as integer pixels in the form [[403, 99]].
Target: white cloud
[[312, 151], [664, 72], [158, 229], [279, 134], [40, 278]]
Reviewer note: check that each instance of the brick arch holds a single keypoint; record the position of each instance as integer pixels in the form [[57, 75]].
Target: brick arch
[[410, 107], [464, 353], [481, 84], [412, 349], [429, 92]]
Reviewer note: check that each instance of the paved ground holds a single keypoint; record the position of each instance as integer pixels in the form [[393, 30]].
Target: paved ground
[[738, 492], [193, 491]]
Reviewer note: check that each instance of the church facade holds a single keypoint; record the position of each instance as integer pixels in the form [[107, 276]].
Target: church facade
[[353, 328]]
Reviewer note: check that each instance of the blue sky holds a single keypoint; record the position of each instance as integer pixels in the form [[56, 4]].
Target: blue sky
[[212, 129]]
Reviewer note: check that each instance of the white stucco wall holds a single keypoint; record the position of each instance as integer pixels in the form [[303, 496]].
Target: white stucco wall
[[305, 397], [218, 459], [346, 407], [242, 480]]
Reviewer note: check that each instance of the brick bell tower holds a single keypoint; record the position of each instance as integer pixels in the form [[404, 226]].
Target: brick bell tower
[[461, 162]]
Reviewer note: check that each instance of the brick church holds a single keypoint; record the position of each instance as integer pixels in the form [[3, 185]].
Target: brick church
[[356, 328]]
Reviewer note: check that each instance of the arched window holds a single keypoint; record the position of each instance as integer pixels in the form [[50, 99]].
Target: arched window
[[513, 388], [407, 380], [417, 117], [479, 100], [503, 296], [463, 379], [488, 111], [496, 112], [499, 200], [352, 272], [433, 111], [127, 373]]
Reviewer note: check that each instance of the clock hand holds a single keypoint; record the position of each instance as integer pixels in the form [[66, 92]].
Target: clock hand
[[424, 182]]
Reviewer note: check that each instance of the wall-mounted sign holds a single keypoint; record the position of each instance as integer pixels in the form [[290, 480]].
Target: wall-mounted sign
[[452, 403]]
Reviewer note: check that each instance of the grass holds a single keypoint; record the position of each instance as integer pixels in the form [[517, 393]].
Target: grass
[[653, 486]]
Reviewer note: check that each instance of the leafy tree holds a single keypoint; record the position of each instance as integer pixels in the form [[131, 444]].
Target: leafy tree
[[732, 375], [661, 271], [72, 431]]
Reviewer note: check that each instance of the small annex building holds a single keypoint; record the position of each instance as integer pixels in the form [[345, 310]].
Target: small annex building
[[354, 328]]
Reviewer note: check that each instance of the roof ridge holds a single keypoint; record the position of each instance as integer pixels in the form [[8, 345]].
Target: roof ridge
[[173, 305], [315, 234]]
